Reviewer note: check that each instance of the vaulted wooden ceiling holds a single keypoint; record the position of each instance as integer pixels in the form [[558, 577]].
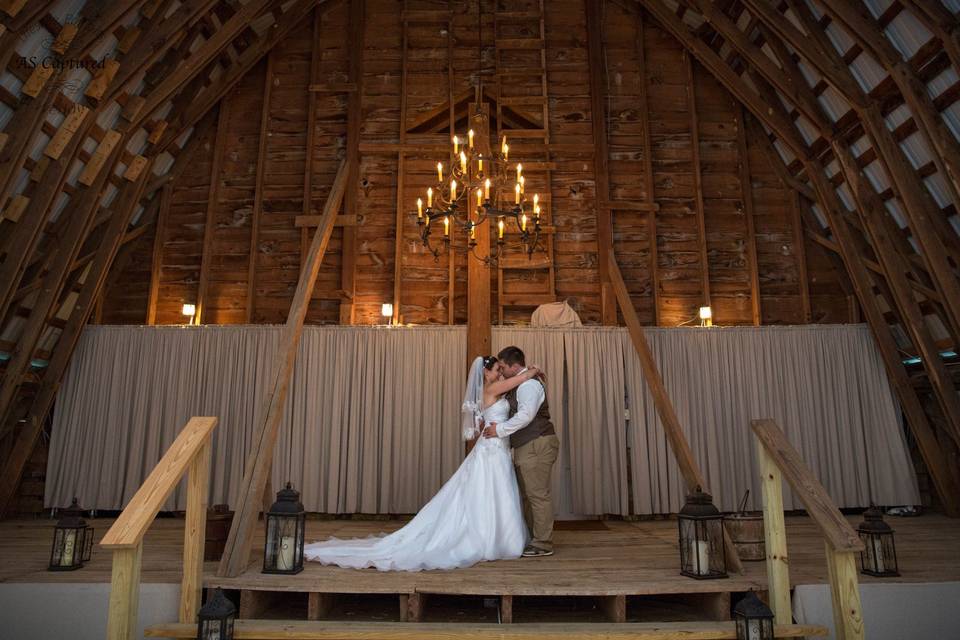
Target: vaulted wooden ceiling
[[858, 101]]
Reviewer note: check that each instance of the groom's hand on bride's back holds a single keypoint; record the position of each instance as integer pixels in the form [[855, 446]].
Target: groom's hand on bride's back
[[490, 431]]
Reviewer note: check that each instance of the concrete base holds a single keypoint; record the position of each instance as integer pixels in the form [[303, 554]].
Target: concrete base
[[50, 611]]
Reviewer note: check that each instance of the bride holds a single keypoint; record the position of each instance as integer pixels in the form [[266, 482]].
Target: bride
[[475, 516]]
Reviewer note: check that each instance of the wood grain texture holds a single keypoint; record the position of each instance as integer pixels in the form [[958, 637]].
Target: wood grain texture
[[125, 594], [807, 488], [290, 630], [240, 539], [775, 538], [194, 532], [845, 593], [129, 528]]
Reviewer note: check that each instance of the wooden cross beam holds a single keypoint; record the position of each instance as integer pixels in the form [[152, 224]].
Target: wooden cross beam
[[236, 554]]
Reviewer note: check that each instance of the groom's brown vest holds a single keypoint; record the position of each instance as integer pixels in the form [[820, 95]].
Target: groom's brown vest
[[539, 426]]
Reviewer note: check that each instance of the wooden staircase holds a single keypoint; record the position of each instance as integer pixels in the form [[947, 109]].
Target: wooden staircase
[[521, 70]]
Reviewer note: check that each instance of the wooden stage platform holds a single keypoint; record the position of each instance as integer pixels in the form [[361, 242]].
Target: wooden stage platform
[[609, 570]]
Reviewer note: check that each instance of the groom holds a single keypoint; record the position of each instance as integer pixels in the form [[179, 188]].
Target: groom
[[535, 446]]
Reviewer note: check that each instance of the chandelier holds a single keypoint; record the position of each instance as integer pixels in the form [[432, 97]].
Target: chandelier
[[499, 192]]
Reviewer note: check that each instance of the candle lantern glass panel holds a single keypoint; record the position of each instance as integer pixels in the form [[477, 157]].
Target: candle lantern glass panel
[[215, 618], [286, 521], [70, 540], [702, 554], [753, 618], [879, 555]]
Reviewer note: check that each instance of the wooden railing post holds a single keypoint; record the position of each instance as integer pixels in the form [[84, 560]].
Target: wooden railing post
[[778, 459], [190, 452], [775, 538], [124, 594], [845, 592], [194, 529]]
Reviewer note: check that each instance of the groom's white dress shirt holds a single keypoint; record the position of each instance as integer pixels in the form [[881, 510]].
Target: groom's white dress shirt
[[530, 395]]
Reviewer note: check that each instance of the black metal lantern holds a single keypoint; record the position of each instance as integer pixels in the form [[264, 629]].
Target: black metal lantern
[[702, 554], [283, 550], [754, 619], [215, 619], [879, 556], [72, 540]]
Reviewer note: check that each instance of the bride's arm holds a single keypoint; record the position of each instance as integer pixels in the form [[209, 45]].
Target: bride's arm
[[502, 386]]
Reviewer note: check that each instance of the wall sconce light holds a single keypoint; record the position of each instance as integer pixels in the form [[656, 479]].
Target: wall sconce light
[[189, 310], [386, 310], [706, 317]]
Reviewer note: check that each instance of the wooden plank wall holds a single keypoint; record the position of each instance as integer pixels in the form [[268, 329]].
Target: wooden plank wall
[[655, 67]]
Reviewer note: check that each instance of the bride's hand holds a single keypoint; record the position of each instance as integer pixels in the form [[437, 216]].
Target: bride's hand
[[537, 372]]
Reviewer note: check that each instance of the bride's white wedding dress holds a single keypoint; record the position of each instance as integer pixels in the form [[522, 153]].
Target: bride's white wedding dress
[[477, 515]]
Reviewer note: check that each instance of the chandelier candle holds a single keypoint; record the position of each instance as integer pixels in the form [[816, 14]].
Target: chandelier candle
[[489, 180]]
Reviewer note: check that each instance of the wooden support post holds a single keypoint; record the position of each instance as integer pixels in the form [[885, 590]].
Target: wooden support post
[[415, 602], [451, 255], [306, 201], [845, 592], [697, 181], [319, 605], [401, 173], [478, 273], [258, 190], [801, 256], [240, 540], [775, 538], [159, 235], [506, 609], [601, 169], [209, 227], [648, 171], [614, 607], [124, 594], [355, 36], [746, 191], [661, 400], [194, 533]]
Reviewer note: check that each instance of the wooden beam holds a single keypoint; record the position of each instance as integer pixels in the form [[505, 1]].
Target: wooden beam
[[697, 178], [32, 426], [257, 212], [661, 399], [860, 279], [801, 256], [478, 273], [85, 205], [401, 173], [348, 264], [240, 540], [648, 181], [746, 193], [306, 205], [601, 156], [918, 204], [159, 235], [213, 199]]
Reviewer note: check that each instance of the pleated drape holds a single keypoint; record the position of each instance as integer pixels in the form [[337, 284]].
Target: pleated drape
[[371, 422]]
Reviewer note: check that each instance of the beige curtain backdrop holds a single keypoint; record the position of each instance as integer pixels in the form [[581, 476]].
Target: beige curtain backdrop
[[825, 385], [371, 424], [372, 418]]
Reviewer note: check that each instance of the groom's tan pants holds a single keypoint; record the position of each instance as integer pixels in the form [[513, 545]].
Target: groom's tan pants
[[534, 462]]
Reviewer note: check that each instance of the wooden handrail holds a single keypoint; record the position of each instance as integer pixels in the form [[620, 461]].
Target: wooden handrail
[[821, 508], [778, 459], [190, 454], [128, 529]]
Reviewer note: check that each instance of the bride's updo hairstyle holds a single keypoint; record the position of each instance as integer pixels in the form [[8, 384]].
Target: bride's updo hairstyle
[[489, 362]]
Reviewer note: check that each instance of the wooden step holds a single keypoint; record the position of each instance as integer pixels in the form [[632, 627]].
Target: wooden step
[[309, 630]]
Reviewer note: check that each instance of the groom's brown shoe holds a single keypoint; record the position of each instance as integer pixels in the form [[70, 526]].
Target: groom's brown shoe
[[536, 552]]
